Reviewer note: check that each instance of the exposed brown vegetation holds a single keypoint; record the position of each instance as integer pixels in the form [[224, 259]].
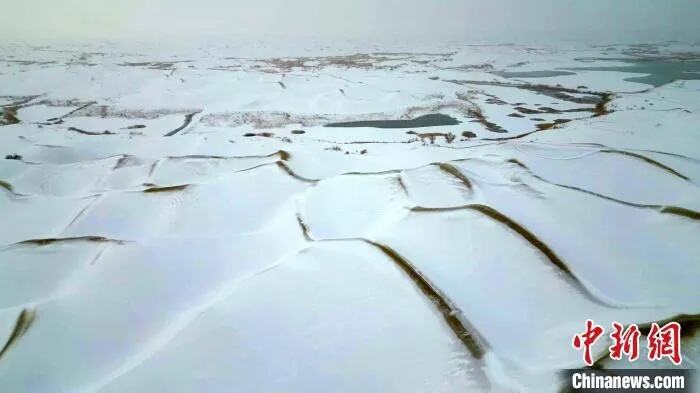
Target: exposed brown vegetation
[[153, 190], [452, 316], [9, 115], [7, 186], [48, 241], [647, 160], [528, 236], [22, 325], [453, 171], [432, 136]]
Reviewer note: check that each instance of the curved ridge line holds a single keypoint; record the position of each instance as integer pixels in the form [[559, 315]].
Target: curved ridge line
[[77, 109], [530, 238], [175, 326], [402, 184], [51, 240], [96, 197], [452, 316], [454, 172], [665, 209], [648, 161], [282, 165], [8, 188], [691, 159], [304, 228], [188, 120]]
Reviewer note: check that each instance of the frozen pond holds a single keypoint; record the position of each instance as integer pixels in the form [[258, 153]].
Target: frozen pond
[[430, 120], [659, 72], [532, 74]]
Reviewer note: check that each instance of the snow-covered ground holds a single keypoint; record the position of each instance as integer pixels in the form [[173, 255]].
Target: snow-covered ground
[[183, 220]]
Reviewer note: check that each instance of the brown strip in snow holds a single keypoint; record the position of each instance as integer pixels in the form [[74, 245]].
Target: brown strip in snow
[[154, 190], [528, 236], [47, 241], [452, 316], [444, 306], [293, 174], [647, 160], [675, 210], [23, 323], [452, 170], [6, 185]]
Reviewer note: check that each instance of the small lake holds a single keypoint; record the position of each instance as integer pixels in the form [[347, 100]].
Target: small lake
[[434, 119], [659, 71], [532, 74]]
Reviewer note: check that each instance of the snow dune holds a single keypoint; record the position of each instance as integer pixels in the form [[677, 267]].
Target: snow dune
[[191, 226]]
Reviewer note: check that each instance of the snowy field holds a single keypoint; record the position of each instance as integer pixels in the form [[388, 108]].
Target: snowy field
[[186, 220]]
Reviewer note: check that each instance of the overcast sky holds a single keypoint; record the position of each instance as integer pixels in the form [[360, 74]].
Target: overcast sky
[[461, 20]]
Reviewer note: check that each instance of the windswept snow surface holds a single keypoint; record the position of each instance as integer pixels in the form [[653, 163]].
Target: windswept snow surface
[[182, 220]]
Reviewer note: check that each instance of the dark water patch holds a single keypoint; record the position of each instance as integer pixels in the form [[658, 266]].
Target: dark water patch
[[557, 92], [431, 120], [659, 71], [532, 74]]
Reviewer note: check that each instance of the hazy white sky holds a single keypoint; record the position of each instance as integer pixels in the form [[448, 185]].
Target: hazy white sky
[[465, 20]]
